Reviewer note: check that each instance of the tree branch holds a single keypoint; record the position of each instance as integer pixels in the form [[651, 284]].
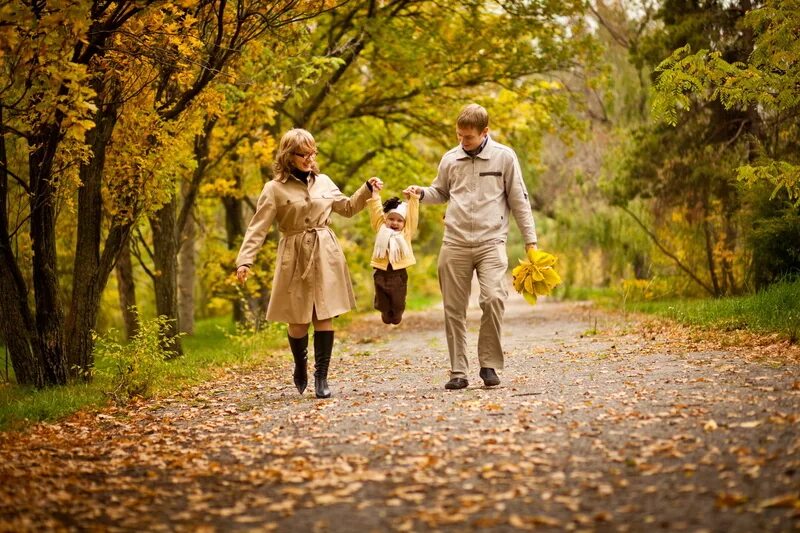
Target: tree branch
[[201, 149], [19, 180], [669, 254], [615, 34], [138, 255]]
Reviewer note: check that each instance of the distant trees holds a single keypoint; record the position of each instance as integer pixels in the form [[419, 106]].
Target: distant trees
[[700, 217], [761, 86]]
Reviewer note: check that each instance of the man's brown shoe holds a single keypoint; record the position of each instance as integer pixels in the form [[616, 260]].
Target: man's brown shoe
[[456, 383], [489, 377]]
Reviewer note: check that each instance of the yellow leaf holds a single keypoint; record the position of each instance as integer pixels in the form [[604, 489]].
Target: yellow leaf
[[529, 285], [785, 500], [551, 277], [519, 285], [515, 521], [540, 288]]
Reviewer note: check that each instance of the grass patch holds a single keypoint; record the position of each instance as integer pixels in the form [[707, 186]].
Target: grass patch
[[604, 296], [214, 347], [421, 302], [774, 310], [20, 406]]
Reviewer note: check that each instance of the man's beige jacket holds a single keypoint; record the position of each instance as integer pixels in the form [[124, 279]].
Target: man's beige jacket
[[480, 193]]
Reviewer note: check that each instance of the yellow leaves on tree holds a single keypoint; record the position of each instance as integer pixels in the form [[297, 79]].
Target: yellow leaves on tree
[[535, 276], [148, 155], [44, 87]]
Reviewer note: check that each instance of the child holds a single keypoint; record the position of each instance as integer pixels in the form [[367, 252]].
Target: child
[[396, 223]]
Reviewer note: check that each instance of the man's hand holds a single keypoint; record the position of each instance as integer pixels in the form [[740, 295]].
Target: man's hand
[[416, 190], [242, 272], [531, 245], [409, 193]]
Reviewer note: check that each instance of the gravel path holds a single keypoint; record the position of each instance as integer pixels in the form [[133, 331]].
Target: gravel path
[[601, 423]]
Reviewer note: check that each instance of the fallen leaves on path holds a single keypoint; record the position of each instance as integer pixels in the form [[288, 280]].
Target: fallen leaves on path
[[637, 426]]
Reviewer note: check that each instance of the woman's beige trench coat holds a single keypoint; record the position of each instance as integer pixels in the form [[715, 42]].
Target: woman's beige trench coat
[[311, 272]]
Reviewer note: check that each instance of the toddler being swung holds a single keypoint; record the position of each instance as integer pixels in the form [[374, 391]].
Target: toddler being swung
[[395, 223]]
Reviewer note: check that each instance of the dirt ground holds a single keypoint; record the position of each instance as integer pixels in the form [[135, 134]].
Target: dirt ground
[[602, 422]]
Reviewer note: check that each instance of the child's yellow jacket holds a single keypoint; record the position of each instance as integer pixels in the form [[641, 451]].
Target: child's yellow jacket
[[376, 217]]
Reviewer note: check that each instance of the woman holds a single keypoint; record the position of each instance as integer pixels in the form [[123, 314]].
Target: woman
[[311, 283]]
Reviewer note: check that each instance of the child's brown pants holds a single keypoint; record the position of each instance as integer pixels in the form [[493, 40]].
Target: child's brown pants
[[390, 293]]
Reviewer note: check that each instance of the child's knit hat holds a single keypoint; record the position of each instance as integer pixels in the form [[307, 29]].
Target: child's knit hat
[[394, 205], [401, 210]]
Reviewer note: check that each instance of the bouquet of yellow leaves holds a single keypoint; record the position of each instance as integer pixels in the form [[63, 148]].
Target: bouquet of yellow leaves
[[535, 276]]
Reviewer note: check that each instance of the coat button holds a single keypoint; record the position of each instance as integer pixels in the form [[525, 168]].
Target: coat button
[[308, 219]]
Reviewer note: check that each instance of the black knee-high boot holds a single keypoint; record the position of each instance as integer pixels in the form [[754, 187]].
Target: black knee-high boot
[[300, 353], [323, 346]]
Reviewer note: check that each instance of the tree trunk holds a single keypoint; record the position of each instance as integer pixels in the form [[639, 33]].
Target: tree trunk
[[708, 234], [126, 287], [16, 321], [165, 259], [186, 229], [20, 342], [641, 266], [49, 312], [186, 276], [234, 228], [91, 272], [730, 236]]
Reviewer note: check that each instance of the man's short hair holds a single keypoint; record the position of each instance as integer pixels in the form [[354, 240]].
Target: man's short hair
[[473, 116]]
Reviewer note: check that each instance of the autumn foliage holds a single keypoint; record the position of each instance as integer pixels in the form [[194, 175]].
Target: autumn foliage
[[135, 135]]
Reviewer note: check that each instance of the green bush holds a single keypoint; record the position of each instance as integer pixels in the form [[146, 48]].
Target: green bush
[[775, 244], [132, 366]]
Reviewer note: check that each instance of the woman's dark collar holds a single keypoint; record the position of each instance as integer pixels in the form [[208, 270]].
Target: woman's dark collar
[[302, 175]]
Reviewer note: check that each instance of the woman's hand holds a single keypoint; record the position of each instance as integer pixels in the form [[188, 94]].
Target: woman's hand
[[242, 272], [376, 183]]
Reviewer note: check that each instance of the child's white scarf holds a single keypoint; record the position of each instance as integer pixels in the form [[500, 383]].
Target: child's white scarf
[[392, 243]]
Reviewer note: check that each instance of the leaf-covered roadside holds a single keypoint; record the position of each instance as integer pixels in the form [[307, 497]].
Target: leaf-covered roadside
[[608, 425]]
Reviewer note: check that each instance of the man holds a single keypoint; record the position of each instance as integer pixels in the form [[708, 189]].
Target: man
[[481, 181]]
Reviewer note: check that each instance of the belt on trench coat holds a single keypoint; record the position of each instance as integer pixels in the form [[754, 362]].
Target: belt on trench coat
[[314, 231]]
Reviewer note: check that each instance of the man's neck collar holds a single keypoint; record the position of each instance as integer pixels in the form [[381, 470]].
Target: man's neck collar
[[479, 149]]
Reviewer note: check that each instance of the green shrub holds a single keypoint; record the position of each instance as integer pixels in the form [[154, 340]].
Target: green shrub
[[132, 366]]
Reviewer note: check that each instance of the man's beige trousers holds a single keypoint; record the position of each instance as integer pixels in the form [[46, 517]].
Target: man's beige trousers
[[456, 265]]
